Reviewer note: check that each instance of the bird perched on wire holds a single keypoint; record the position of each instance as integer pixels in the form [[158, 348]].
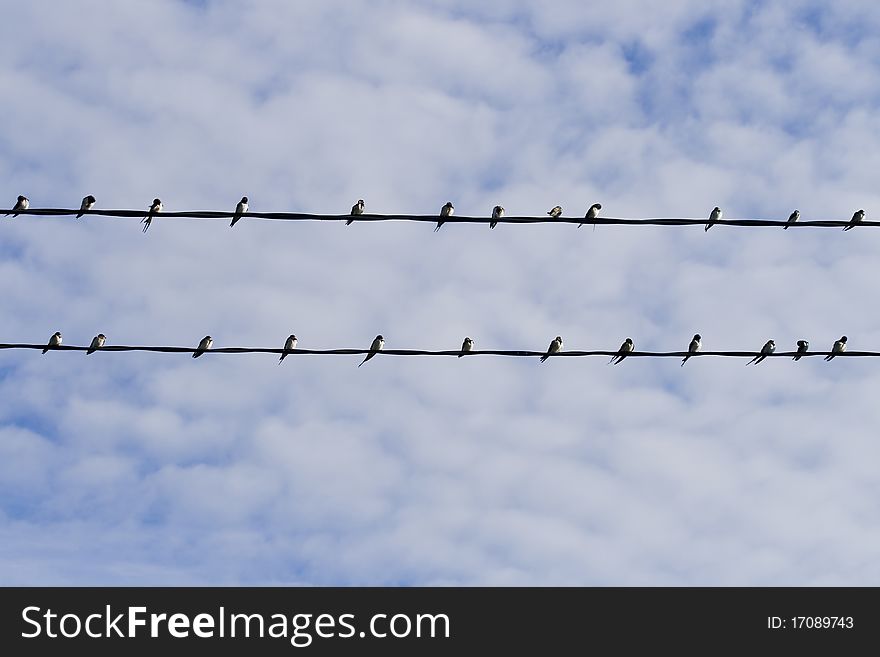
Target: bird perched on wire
[[21, 204], [466, 347], [838, 348], [497, 213], [592, 213], [375, 348], [768, 348], [88, 203], [446, 211], [693, 348], [289, 345], [97, 342], [793, 217], [555, 348], [356, 210], [555, 211], [857, 217], [625, 349], [714, 217], [54, 341], [155, 209], [803, 347], [204, 345], [240, 208]]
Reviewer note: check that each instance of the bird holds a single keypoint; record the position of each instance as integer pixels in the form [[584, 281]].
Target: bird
[[375, 348], [289, 345], [497, 213], [446, 211], [54, 341], [626, 348], [838, 348], [555, 211], [803, 347], [768, 348], [857, 217], [88, 203], [155, 209], [694, 347], [240, 209], [592, 213], [204, 345], [555, 347], [356, 209], [97, 342], [794, 216], [21, 204], [466, 346], [715, 216]]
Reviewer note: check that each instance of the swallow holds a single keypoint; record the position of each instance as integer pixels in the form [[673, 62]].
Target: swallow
[[803, 347], [626, 348], [555, 347], [289, 345], [466, 346], [21, 204], [446, 211], [204, 345], [768, 348], [857, 217], [592, 213], [693, 348], [97, 342], [356, 209], [240, 209], [155, 209], [715, 216], [88, 203], [794, 216], [375, 348], [497, 213], [54, 341], [555, 211], [838, 348]]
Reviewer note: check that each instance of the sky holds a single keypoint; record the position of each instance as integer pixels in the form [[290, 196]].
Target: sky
[[157, 469]]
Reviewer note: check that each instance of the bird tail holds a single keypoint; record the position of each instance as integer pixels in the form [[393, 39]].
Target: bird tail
[[282, 357], [846, 228], [684, 360], [829, 357], [439, 225], [708, 226], [493, 224], [785, 227], [79, 215], [234, 221], [45, 350], [544, 357], [796, 358], [349, 222]]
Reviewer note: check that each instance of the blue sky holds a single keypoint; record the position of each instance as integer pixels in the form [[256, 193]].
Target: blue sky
[[160, 469]]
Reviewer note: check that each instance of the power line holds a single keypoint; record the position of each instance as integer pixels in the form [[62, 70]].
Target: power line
[[460, 219], [425, 352]]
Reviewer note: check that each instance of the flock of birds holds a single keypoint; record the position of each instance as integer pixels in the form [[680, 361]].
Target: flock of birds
[[446, 211], [628, 346]]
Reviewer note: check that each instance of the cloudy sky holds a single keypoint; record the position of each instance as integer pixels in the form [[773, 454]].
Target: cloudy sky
[[138, 468]]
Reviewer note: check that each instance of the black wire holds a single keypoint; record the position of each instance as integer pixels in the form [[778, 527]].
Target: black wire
[[300, 216], [457, 352]]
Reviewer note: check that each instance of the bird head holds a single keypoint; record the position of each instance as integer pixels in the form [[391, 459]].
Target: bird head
[[156, 201], [291, 337], [598, 206], [379, 337], [628, 341], [90, 198], [57, 334], [843, 339], [697, 337], [244, 199], [101, 336]]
